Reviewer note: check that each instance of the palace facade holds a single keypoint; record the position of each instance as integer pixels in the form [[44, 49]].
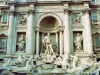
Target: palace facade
[[24, 24]]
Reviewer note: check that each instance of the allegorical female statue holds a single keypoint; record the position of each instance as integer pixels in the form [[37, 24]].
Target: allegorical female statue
[[21, 43], [78, 42]]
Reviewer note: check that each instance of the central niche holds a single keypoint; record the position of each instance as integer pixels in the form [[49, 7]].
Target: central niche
[[49, 22]]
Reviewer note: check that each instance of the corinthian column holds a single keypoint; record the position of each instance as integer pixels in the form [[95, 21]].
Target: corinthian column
[[10, 32], [88, 31], [67, 46], [30, 34]]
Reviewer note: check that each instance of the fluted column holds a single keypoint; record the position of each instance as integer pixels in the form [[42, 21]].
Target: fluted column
[[37, 43], [10, 32], [88, 31], [30, 48], [67, 46]]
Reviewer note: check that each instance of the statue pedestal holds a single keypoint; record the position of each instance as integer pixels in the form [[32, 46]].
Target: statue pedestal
[[79, 51], [77, 23]]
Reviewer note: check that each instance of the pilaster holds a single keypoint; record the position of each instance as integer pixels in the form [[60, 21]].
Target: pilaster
[[10, 32]]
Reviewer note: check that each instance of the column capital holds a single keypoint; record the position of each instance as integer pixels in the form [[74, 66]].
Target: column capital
[[67, 10], [61, 28], [11, 12], [31, 11], [86, 10], [37, 28]]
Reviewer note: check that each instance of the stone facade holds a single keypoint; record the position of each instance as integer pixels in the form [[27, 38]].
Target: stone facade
[[73, 26]]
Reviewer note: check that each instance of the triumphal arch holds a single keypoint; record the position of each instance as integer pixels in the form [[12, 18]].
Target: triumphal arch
[[46, 37]]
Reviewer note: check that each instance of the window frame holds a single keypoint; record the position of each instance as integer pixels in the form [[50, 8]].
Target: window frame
[[2, 47], [3, 37], [94, 22], [2, 18], [94, 1], [96, 16], [96, 48]]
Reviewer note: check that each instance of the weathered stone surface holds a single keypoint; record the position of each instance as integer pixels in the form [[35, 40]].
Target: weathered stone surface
[[71, 46]]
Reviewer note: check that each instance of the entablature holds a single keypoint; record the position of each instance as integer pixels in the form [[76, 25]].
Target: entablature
[[49, 30], [10, 2]]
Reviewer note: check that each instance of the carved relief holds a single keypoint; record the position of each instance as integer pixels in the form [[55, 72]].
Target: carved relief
[[21, 19], [77, 18]]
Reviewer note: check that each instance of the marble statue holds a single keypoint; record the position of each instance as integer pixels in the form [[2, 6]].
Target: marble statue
[[53, 58], [41, 60], [20, 61], [50, 63], [29, 65], [58, 61], [78, 42], [47, 44], [21, 43], [20, 58], [21, 19], [6, 72], [65, 63], [75, 60], [78, 18]]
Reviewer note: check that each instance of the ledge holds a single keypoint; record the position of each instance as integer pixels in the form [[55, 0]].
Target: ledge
[[52, 1]]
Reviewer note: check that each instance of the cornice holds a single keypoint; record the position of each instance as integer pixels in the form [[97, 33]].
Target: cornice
[[66, 1], [86, 1], [95, 5], [54, 2], [86, 10], [30, 11], [11, 3]]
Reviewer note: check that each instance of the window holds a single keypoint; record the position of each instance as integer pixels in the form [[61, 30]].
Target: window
[[93, 0], [97, 41], [3, 41], [94, 17], [4, 18], [96, 44]]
